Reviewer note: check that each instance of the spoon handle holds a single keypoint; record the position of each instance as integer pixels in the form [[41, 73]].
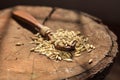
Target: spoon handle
[[26, 17], [44, 30]]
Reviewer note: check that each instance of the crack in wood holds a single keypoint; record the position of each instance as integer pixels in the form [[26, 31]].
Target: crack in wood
[[55, 70], [32, 68], [45, 20], [49, 15]]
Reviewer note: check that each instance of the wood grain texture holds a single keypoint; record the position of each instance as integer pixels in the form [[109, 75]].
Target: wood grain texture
[[18, 63]]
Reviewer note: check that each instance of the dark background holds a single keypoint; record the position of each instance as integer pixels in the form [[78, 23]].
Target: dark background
[[107, 10]]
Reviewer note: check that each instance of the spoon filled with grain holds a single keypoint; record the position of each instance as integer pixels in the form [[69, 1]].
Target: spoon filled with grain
[[61, 40]]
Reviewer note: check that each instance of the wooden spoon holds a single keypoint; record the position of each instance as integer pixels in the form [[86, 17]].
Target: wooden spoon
[[44, 30]]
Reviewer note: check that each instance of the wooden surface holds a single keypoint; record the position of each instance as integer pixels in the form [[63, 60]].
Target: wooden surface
[[18, 63]]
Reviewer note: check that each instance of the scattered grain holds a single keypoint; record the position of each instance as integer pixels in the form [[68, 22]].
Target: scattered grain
[[62, 38]]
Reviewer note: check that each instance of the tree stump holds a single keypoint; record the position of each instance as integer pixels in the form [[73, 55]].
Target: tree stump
[[18, 63]]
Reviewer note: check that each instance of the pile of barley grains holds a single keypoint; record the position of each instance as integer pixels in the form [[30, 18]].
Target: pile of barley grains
[[63, 38]]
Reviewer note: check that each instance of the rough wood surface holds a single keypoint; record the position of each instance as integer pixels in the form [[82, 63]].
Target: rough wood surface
[[18, 63]]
